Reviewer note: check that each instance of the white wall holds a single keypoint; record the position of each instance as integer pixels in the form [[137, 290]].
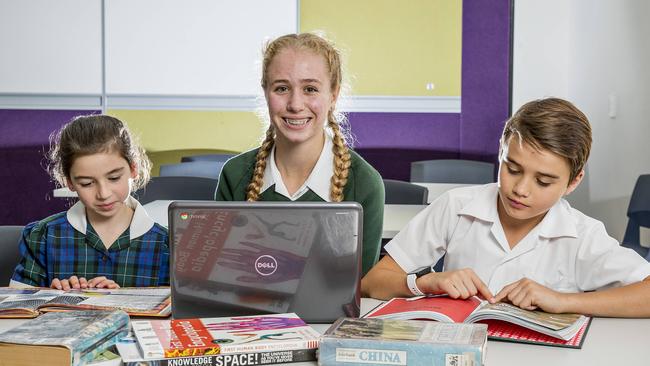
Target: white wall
[[588, 51]]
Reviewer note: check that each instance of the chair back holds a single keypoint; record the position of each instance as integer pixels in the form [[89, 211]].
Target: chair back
[[405, 193], [177, 188], [9, 238], [638, 213], [452, 171], [207, 157], [206, 169]]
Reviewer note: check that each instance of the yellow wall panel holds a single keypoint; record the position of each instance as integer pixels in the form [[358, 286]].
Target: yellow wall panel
[[393, 47], [169, 135]]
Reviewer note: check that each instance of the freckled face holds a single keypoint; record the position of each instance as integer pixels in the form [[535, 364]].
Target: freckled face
[[299, 96], [102, 182], [531, 182]]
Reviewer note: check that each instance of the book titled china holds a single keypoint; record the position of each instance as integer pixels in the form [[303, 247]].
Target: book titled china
[[505, 321], [136, 301], [161, 339], [352, 341], [63, 338]]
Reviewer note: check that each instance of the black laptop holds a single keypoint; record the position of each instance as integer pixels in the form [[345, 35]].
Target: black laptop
[[244, 258]]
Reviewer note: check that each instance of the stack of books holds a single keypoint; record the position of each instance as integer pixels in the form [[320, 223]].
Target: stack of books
[[63, 338], [246, 340]]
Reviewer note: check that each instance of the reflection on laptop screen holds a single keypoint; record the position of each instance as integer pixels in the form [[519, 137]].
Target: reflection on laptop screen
[[241, 258]]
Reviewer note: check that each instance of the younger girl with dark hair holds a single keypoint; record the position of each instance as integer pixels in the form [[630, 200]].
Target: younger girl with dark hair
[[105, 240]]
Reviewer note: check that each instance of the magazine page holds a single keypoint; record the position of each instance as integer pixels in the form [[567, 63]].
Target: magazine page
[[440, 308], [563, 326], [135, 301], [23, 302]]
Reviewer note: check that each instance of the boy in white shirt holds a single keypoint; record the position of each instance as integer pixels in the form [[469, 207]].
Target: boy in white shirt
[[518, 238]]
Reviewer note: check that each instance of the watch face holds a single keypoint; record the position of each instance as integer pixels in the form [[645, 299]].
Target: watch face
[[423, 271]]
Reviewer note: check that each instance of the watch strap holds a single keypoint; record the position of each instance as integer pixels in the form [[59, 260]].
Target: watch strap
[[413, 287]]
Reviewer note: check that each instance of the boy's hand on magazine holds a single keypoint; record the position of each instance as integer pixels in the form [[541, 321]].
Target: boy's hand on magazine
[[461, 283], [530, 295]]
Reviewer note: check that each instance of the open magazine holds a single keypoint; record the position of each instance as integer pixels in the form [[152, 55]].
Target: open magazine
[[136, 301], [505, 321]]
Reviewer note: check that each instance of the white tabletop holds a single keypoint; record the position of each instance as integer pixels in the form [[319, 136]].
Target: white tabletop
[[395, 216], [609, 341]]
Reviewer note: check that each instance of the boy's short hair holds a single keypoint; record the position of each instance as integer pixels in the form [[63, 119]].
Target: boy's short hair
[[555, 125]]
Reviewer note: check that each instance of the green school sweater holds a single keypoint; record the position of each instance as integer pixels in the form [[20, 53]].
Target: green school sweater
[[364, 186]]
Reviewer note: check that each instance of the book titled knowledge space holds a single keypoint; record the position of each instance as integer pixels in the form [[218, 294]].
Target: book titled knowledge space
[[351, 341]]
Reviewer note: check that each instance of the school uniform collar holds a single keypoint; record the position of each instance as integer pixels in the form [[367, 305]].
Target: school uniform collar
[[558, 222], [318, 181], [141, 223], [483, 205]]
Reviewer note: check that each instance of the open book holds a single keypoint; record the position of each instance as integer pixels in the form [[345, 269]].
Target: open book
[[505, 321], [136, 301]]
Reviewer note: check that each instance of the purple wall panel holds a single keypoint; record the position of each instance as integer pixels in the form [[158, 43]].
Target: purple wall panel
[[26, 191], [485, 83], [391, 141], [408, 130]]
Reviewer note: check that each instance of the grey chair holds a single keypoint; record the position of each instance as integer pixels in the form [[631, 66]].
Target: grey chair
[[405, 193], [206, 169], [177, 188], [452, 171], [638, 213], [207, 157], [9, 238]]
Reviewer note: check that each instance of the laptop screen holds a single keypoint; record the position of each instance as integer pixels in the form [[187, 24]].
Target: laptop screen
[[243, 258]]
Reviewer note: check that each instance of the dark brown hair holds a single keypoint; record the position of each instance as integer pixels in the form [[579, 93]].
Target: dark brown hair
[[92, 134], [555, 125]]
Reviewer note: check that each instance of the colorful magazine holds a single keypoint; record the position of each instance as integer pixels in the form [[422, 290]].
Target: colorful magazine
[[506, 321], [66, 338], [131, 355], [159, 339], [136, 301], [351, 341]]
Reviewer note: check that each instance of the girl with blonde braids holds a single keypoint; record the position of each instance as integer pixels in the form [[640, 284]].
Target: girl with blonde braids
[[304, 155]]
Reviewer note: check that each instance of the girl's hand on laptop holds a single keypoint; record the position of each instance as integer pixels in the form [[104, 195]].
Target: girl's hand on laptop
[[75, 282], [458, 284], [530, 295]]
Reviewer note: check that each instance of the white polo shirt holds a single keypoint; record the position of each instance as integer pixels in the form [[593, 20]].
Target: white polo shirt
[[567, 251], [318, 180]]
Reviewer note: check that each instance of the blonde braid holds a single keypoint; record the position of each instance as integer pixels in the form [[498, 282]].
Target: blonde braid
[[254, 187], [341, 162]]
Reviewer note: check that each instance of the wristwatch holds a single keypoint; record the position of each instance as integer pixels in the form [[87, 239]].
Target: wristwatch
[[412, 276]]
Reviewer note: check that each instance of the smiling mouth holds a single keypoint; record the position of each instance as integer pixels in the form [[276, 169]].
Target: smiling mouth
[[296, 122]]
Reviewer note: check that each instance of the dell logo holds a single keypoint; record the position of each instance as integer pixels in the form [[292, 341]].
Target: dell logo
[[266, 265]]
